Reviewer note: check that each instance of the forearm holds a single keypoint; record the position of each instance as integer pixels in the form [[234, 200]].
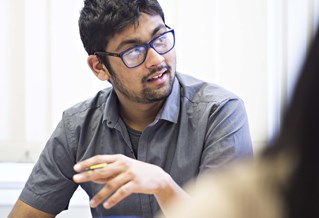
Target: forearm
[[23, 210], [170, 191]]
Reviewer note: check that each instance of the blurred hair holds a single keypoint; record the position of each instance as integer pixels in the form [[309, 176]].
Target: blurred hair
[[300, 135]]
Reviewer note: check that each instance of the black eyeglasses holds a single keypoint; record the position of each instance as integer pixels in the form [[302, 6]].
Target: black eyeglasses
[[135, 56]]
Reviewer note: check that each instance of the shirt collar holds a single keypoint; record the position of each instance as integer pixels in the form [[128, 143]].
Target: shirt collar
[[169, 111], [111, 114]]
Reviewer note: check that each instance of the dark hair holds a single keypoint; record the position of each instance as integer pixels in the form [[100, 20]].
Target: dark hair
[[101, 19], [300, 134]]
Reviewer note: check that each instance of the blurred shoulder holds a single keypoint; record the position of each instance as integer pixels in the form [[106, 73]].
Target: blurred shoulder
[[247, 190]]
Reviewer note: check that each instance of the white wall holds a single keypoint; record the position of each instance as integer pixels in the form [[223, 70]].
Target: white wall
[[253, 48]]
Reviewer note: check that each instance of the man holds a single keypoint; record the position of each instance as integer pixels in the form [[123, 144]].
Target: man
[[155, 129]]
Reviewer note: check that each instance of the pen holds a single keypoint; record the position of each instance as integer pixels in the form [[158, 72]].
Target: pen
[[97, 166]]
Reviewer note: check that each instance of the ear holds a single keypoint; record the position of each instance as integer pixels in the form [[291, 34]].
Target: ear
[[98, 68]]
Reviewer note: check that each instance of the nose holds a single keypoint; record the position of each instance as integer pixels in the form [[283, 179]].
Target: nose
[[153, 59]]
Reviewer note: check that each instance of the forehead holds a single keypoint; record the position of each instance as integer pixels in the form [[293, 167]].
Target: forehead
[[142, 31]]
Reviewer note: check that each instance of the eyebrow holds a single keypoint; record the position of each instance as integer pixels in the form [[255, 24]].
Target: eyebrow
[[137, 41]]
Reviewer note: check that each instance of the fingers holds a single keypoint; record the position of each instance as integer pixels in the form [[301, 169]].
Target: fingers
[[117, 185], [122, 176], [91, 170], [119, 195], [98, 159], [100, 175]]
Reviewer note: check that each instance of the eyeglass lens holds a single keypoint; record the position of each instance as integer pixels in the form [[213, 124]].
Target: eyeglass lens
[[136, 55]]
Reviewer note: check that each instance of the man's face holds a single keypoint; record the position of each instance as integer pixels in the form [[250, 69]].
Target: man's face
[[151, 81]]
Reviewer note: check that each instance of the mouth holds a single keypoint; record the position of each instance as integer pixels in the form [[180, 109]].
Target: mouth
[[157, 76]]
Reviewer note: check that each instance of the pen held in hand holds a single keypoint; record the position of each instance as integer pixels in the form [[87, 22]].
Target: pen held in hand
[[97, 166]]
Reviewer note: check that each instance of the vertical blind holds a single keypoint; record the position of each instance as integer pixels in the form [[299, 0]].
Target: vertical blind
[[253, 48]]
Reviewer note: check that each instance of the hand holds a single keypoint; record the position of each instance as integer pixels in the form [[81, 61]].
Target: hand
[[123, 176]]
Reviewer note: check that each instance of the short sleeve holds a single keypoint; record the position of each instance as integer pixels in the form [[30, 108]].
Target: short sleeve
[[227, 136], [50, 185]]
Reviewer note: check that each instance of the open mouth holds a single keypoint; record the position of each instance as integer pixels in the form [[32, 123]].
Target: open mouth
[[157, 76]]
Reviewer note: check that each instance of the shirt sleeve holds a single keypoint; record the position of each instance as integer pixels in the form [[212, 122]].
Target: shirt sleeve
[[227, 136], [50, 185]]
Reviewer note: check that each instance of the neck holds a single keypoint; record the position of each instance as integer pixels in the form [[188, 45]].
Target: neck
[[139, 115]]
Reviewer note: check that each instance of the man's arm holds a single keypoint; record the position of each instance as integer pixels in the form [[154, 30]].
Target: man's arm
[[23, 210], [227, 136]]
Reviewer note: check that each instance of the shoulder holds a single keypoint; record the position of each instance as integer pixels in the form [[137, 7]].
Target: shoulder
[[197, 91], [80, 121], [96, 103]]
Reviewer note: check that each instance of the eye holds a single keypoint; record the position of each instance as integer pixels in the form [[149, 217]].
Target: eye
[[160, 41], [134, 52]]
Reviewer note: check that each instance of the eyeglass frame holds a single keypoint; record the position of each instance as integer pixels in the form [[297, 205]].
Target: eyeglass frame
[[146, 46]]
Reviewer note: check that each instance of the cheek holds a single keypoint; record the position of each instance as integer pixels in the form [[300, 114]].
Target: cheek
[[171, 60], [117, 65], [128, 78], [121, 72]]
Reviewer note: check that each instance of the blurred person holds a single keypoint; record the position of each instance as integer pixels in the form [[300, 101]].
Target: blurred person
[[154, 129], [283, 181]]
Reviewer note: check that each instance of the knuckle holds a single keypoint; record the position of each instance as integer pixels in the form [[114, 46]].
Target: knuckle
[[99, 173], [129, 174], [88, 175], [99, 197], [111, 201], [123, 191], [110, 186], [99, 158]]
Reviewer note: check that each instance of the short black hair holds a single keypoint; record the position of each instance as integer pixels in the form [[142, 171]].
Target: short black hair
[[101, 19]]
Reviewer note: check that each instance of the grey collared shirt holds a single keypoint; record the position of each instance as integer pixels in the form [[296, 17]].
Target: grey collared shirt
[[200, 127]]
